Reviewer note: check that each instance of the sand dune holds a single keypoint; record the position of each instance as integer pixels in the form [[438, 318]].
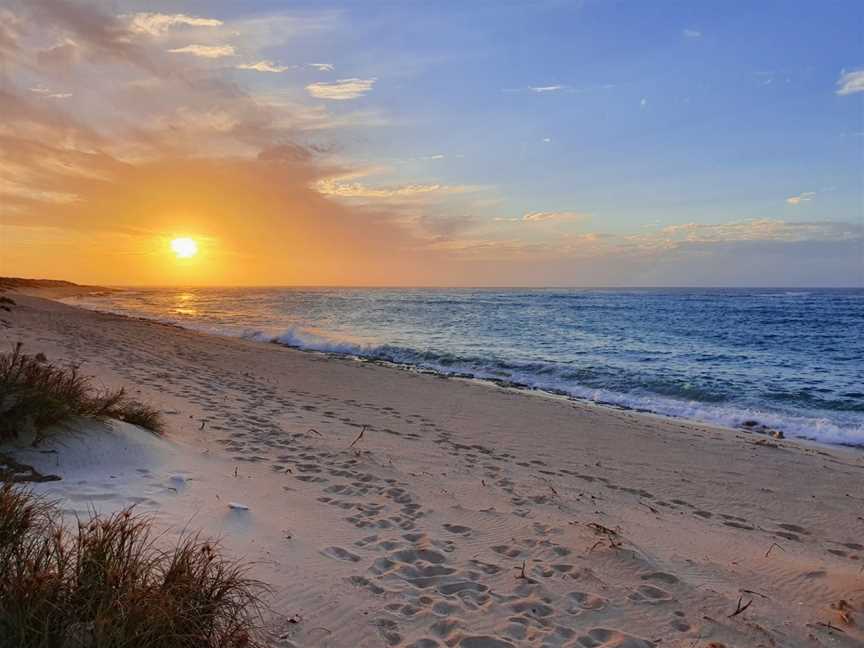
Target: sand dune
[[465, 514]]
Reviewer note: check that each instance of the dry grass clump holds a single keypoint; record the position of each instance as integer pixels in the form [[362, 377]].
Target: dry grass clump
[[107, 584], [36, 394]]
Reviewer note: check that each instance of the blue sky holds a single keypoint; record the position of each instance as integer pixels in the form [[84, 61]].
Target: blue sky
[[536, 132], [740, 105]]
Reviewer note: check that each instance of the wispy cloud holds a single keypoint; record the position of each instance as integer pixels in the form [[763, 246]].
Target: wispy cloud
[[692, 33], [263, 66], [550, 88], [548, 217], [322, 67], [12, 189], [206, 51], [291, 115], [851, 82], [51, 94], [332, 187], [157, 23], [560, 88], [805, 196], [341, 90], [762, 229]]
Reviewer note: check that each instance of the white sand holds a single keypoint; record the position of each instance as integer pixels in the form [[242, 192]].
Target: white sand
[[417, 535]]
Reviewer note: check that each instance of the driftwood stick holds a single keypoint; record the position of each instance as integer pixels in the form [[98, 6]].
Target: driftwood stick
[[359, 436], [522, 573], [740, 608], [773, 544]]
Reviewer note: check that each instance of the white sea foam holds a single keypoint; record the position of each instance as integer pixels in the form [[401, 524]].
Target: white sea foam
[[308, 341]]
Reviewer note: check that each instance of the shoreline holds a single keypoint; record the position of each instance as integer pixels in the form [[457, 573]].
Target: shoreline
[[758, 422], [391, 508]]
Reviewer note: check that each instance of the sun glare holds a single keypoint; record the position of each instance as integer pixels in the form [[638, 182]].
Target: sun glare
[[184, 248]]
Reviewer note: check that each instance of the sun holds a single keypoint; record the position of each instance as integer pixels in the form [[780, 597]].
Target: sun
[[184, 248]]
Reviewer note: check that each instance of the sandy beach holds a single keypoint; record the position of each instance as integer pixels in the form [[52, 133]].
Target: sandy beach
[[393, 508]]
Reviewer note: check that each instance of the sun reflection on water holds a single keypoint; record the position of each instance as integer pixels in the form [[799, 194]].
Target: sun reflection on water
[[185, 304]]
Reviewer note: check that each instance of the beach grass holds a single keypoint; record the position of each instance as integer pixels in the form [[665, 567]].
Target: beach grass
[[36, 394], [104, 583]]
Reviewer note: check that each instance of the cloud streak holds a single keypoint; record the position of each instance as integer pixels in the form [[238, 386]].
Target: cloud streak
[[206, 51], [851, 82], [263, 66], [548, 217], [805, 196], [333, 187], [553, 216], [545, 89], [155, 24], [341, 90]]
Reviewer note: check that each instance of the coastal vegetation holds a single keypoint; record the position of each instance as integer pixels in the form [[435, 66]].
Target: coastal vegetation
[[36, 394], [104, 582]]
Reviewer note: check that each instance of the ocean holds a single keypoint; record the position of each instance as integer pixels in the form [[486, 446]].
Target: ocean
[[792, 360]]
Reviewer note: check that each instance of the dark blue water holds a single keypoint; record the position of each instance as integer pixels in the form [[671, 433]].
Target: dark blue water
[[791, 360]]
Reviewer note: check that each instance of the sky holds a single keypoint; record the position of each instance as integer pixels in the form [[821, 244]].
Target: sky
[[545, 143]]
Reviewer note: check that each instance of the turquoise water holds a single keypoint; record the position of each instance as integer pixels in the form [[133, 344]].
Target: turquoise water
[[791, 360]]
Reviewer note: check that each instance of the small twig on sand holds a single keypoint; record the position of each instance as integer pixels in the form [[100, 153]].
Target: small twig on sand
[[828, 626], [359, 436], [595, 545], [599, 528], [316, 432], [649, 507], [740, 608], [746, 591], [203, 423], [522, 573], [773, 544], [548, 483]]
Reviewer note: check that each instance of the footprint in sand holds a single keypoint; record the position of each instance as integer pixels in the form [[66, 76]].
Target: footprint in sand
[[338, 553], [663, 577], [457, 529], [603, 638], [484, 642], [424, 643], [586, 601], [650, 594], [506, 550]]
